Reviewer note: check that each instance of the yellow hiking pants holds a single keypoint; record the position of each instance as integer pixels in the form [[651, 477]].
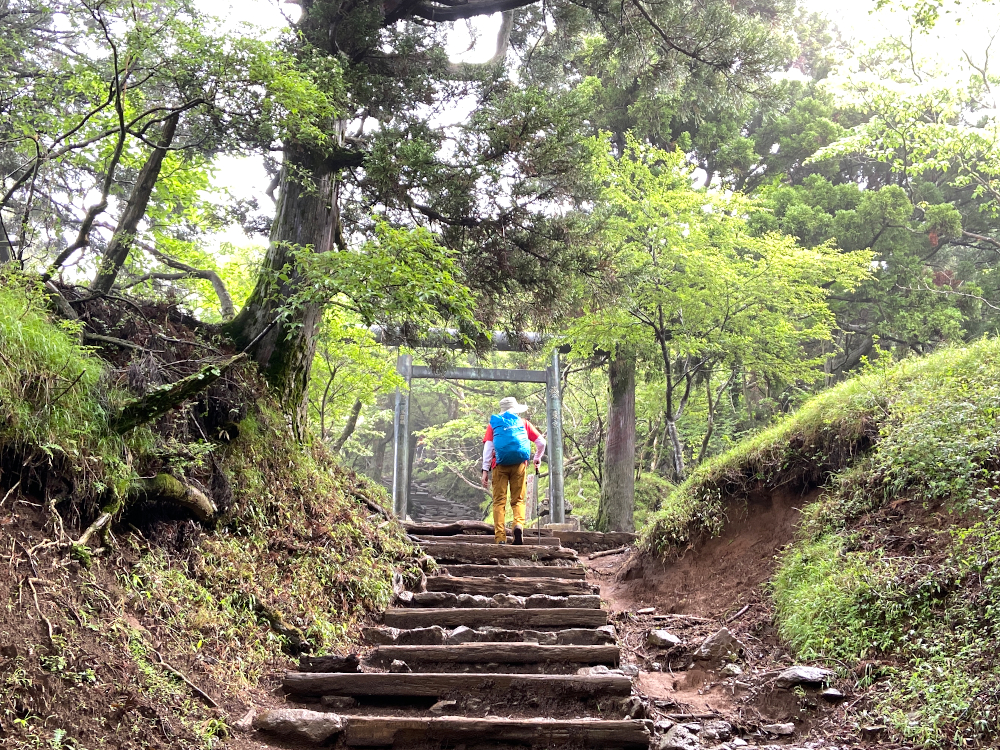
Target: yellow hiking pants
[[504, 476]]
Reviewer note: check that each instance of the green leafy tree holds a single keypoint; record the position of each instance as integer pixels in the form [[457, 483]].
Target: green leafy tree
[[690, 287]]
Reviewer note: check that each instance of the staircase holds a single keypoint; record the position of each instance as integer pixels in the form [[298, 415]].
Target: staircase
[[507, 647]]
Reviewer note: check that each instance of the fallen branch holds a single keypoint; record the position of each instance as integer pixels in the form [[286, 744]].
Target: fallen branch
[[159, 401], [738, 615], [100, 523], [607, 552], [180, 675], [88, 336], [170, 488]]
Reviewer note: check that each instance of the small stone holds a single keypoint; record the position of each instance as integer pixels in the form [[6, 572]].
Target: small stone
[[312, 726], [404, 597], [379, 636], [541, 638], [717, 729], [677, 738], [435, 599], [432, 636], [656, 667], [802, 675], [738, 742], [461, 634], [246, 723], [398, 666], [634, 708], [475, 601], [630, 670], [593, 671], [692, 726], [663, 725], [662, 638], [474, 704], [583, 637], [731, 670], [584, 601], [646, 611], [443, 707], [508, 601], [717, 646], [832, 694], [780, 729], [608, 630], [339, 702]]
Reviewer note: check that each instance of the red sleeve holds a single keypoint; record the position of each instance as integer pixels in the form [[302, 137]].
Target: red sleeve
[[489, 433], [533, 434]]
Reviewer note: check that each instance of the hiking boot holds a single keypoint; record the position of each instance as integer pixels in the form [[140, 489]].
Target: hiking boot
[[518, 535]]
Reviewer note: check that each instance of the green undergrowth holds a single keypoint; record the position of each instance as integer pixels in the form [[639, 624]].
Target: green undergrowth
[[299, 565], [302, 555], [892, 570], [54, 403]]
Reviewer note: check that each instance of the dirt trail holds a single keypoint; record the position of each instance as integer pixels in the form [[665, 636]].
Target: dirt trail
[[451, 668]]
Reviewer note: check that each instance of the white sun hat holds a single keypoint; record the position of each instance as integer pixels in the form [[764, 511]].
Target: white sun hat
[[509, 403]]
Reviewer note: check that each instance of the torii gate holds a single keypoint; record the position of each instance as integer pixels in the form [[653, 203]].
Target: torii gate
[[501, 342]]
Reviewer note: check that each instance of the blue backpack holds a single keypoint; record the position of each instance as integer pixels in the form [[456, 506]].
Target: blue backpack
[[510, 439]]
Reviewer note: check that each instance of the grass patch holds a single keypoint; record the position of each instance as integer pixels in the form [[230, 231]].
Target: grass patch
[[53, 401]]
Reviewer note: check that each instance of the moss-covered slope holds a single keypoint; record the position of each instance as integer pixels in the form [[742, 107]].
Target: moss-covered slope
[[129, 641], [893, 570]]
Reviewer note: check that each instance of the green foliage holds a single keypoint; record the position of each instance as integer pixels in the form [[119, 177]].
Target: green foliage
[[397, 275], [299, 545], [53, 401]]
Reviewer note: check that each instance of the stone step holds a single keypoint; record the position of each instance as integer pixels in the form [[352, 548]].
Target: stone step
[[529, 539], [384, 731], [505, 585], [519, 619], [459, 552], [417, 684], [514, 571], [437, 636], [496, 653]]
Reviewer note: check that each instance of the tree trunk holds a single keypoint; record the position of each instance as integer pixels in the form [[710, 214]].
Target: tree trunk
[[352, 423], [124, 236], [676, 450], [617, 503], [283, 341]]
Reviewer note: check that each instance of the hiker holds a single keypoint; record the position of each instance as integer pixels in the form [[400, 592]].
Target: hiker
[[506, 450]]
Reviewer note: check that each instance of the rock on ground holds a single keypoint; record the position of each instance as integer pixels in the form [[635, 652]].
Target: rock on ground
[[717, 646], [662, 638], [802, 675], [312, 726]]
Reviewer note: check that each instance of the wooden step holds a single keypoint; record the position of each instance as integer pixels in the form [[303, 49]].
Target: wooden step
[[586, 542], [397, 731], [449, 529], [503, 585], [497, 653], [436, 685], [436, 636], [514, 571], [529, 539], [486, 553], [519, 619]]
